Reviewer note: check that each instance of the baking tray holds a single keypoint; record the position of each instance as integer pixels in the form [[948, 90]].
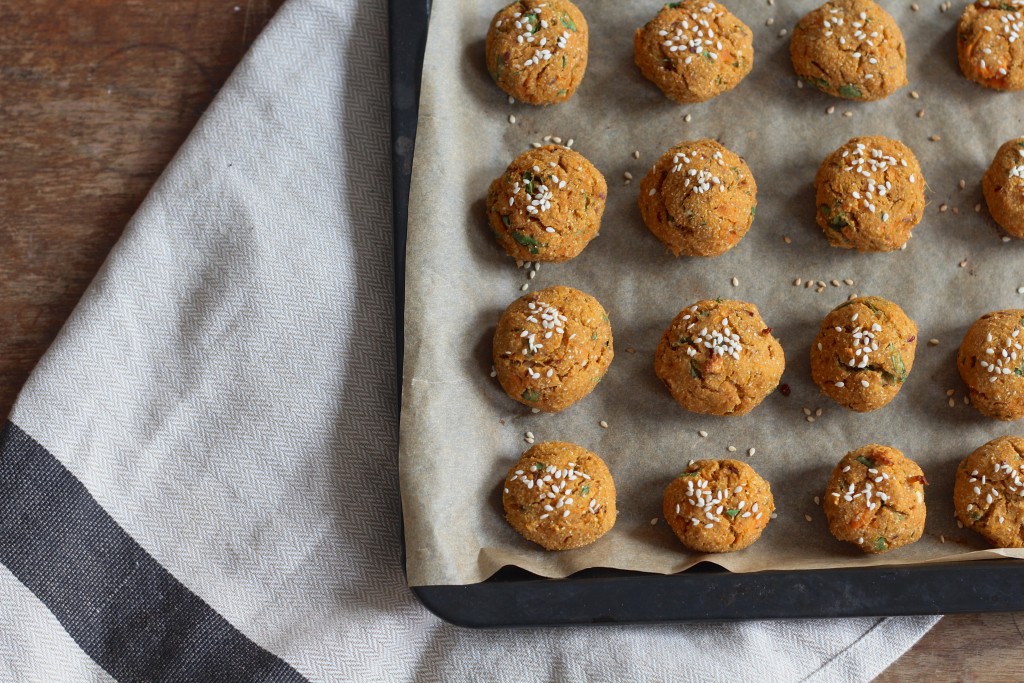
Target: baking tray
[[705, 592]]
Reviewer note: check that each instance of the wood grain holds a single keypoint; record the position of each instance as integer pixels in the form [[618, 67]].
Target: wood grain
[[95, 97]]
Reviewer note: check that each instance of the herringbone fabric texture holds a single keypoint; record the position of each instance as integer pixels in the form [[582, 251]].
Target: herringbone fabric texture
[[225, 390]]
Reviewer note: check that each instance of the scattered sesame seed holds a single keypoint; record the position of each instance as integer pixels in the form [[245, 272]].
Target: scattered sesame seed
[[852, 297], [731, 449], [511, 118], [688, 118], [817, 413], [556, 140], [810, 418], [783, 32], [636, 154], [835, 283], [534, 410], [943, 207], [817, 500], [603, 424], [808, 518], [799, 84], [942, 539], [524, 287], [533, 274], [751, 452], [703, 434], [797, 282], [933, 342], [950, 392], [963, 264], [785, 238], [962, 183], [830, 110], [959, 524], [848, 281], [569, 143], [933, 138], [807, 411], [977, 208], [847, 114], [1006, 239], [536, 145], [511, 100], [920, 115], [769, 21], [967, 400], [654, 520], [913, 93], [952, 403], [627, 175], [735, 282]]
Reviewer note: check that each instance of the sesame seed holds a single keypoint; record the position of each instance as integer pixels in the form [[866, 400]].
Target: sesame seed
[[952, 403], [533, 274], [511, 100], [1005, 239], [536, 145], [797, 282], [524, 287], [569, 142], [688, 118], [835, 283], [511, 118], [556, 140], [848, 281], [534, 410], [977, 208], [627, 175], [807, 411], [782, 33], [933, 138], [830, 110], [962, 183], [864, 383], [751, 452], [810, 418], [963, 264], [847, 114], [933, 342], [654, 520], [817, 500], [636, 154], [943, 207], [731, 449], [808, 518], [785, 238], [913, 93], [651, 192], [735, 282], [799, 84], [840, 384], [817, 413], [703, 434], [769, 21], [603, 424]]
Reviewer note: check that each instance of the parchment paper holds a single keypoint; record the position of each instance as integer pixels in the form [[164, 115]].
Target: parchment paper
[[460, 433]]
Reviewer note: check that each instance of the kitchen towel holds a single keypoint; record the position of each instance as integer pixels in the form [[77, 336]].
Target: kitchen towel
[[199, 480]]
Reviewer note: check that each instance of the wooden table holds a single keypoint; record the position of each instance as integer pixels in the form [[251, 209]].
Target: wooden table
[[95, 97]]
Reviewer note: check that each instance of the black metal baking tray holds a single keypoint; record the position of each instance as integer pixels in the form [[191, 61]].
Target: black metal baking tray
[[514, 597]]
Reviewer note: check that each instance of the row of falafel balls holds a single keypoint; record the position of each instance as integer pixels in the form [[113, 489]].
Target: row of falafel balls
[[700, 198], [718, 357], [537, 50], [562, 496]]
